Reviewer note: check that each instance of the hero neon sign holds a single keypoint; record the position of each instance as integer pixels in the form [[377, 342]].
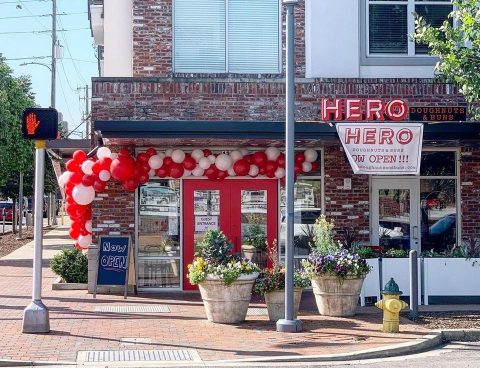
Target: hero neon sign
[[357, 109]]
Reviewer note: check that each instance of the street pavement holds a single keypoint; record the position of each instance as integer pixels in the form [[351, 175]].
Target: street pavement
[[77, 324]]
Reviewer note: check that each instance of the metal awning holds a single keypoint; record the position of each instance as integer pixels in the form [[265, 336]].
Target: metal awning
[[255, 133]]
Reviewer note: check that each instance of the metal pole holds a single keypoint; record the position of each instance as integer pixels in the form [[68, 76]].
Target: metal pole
[[54, 59], [413, 285], [49, 207], [289, 324], [35, 315], [3, 215], [20, 205], [87, 113]]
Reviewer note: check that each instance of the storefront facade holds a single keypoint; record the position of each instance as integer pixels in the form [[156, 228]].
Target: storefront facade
[[230, 110]]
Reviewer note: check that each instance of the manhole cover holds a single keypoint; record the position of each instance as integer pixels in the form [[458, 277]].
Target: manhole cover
[[257, 312], [133, 309], [93, 356]]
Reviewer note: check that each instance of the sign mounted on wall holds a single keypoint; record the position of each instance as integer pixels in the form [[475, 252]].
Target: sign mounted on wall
[[382, 149], [438, 113], [358, 109], [40, 124]]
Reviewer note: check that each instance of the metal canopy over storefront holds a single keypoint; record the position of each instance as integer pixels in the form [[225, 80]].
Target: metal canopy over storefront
[[255, 133]]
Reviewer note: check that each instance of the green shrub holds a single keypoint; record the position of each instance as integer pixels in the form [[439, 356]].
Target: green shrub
[[71, 265], [366, 253], [214, 246]]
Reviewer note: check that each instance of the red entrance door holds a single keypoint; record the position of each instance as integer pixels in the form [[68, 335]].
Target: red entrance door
[[233, 206]]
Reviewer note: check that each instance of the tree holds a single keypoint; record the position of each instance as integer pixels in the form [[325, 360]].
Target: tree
[[457, 44]]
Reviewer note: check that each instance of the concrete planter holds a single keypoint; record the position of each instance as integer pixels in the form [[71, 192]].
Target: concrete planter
[[335, 297], [255, 255], [276, 303], [227, 304], [59, 284]]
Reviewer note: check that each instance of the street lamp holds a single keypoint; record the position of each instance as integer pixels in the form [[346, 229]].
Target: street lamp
[[36, 63]]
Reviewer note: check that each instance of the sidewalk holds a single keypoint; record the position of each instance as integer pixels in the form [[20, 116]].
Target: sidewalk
[[78, 325]]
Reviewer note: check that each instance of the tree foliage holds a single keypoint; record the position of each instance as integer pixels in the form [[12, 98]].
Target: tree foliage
[[457, 44]]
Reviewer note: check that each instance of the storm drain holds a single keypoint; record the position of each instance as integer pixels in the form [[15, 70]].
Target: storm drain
[[126, 309], [257, 312], [184, 355]]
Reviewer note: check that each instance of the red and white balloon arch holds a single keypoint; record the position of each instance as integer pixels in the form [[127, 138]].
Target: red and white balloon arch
[[87, 176]]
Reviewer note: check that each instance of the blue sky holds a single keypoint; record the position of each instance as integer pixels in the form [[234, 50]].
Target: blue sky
[[79, 63]]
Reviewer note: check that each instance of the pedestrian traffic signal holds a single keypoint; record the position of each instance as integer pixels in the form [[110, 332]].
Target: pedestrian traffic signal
[[40, 124]]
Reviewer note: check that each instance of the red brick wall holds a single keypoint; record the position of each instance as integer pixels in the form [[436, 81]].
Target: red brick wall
[[470, 192]]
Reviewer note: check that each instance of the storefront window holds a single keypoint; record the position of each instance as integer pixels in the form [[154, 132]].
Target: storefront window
[[440, 163], [438, 214], [394, 218], [158, 246]]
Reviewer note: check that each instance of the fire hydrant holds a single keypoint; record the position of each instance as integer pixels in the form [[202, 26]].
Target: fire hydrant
[[391, 305]]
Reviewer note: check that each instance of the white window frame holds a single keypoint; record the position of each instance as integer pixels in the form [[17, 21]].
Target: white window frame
[[226, 69], [410, 58]]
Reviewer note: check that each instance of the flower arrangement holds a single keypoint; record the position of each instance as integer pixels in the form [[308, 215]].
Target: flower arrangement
[[272, 279], [330, 258], [213, 260]]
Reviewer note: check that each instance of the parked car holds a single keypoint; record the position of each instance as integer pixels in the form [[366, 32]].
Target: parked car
[[441, 234], [7, 209]]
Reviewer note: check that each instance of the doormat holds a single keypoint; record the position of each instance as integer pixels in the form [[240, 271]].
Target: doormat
[[257, 312], [132, 309]]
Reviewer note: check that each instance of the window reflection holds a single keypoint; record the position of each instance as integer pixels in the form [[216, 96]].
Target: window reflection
[[438, 163], [394, 218]]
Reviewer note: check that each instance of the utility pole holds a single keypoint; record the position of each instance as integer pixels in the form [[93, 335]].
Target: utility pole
[[86, 117], [20, 205], [54, 54]]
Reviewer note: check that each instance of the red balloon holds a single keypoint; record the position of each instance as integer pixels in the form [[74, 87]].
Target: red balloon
[[271, 166], [259, 158], [315, 166], [189, 163], [79, 247], [211, 172], [84, 231], [99, 186], [137, 171], [142, 157], [270, 174], [124, 152], [88, 211], [122, 168], [298, 169], [88, 180], [70, 199], [241, 167], [167, 161], [145, 168], [143, 178], [79, 156], [97, 167], [74, 233], [72, 166], [75, 178], [69, 188], [163, 171], [105, 162], [261, 170], [207, 152], [150, 152], [299, 158], [176, 170], [281, 160], [130, 185], [222, 175]]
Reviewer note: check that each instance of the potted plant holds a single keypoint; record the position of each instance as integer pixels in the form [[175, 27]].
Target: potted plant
[[336, 274], [225, 281], [271, 284], [254, 245]]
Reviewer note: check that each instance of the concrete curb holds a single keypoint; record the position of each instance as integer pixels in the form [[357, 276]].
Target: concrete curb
[[436, 338]]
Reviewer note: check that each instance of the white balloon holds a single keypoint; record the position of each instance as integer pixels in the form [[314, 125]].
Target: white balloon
[[104, 175], [272, 153], [83, 195], [63, 179], [161, 155], [280, 173], [168, 152], [198, 171], [187, 173], [253, 170], [113, 156], [236, 155], [232, 172], [204, 163], [307, 167], [212, 159], [311, 155], [87, 167], [104, 152], [197, 154], [155, 162], [151, 173], [88, 226], [84, 240], [223, 162], [178, 156], [243, 151]]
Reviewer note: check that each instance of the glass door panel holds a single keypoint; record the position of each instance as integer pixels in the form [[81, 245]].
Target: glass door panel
[[206, 211], [254, 226]]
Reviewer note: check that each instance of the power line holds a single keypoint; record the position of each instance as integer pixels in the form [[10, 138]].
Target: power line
[[40, 15], [24, 1], [64, 38], [43, 32], [29, 58]]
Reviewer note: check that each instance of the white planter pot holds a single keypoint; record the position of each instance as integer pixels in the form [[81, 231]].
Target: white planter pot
[[399, 269], [227, 304], [371, 285], [335, 297], [276, 303]]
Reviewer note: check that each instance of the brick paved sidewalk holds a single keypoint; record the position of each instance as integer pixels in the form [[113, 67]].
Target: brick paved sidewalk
[[76, 326]]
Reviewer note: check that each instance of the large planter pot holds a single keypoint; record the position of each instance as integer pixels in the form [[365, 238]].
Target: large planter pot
[[276, 303], [227, 304], [255, 255], [335, 297]]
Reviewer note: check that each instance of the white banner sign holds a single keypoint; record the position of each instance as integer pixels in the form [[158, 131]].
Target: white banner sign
[[204, 223], [383, 149]]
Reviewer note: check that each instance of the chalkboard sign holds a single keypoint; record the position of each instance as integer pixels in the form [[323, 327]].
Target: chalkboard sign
[[113, 261]]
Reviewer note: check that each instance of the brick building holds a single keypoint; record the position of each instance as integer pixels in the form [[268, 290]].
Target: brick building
[[187, 74]]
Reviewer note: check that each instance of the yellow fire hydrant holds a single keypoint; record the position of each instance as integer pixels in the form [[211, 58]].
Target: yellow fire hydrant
[[391, 305]]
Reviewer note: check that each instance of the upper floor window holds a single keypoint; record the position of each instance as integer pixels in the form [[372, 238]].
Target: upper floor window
[[226, 36], [391, 22]]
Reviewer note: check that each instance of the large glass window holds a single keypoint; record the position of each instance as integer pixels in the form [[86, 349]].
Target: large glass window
[[234, 36], [390, 22]]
